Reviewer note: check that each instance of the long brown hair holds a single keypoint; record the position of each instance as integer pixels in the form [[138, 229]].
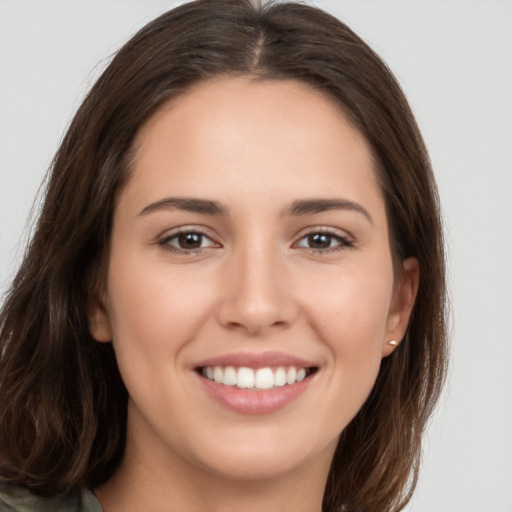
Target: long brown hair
[[62, 401]]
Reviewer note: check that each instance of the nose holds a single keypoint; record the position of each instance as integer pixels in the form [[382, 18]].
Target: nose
[[257, 294]]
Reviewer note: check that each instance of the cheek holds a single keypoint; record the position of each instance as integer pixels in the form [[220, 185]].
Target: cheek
[[350, 314], [352, 308], [154, 309], [155, 312]]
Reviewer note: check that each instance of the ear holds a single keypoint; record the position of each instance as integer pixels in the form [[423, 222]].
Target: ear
[[99, 320], [404, 295]]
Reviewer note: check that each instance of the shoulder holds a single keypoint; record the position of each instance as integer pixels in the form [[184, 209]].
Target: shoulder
[[16, 499]]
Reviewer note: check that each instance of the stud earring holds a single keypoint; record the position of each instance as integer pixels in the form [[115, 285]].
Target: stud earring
[[393, 343]]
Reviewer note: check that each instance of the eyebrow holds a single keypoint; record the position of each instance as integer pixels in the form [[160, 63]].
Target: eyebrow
[[297, 208], [203, 206], [312, 206]]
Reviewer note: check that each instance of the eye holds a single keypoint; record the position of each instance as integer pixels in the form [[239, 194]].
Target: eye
[[187, 241], [324, 241]]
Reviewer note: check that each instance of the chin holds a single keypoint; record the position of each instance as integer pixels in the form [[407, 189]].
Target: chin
[[263, 459]]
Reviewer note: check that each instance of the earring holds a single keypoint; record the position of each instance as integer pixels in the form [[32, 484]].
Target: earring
[[393, 343]]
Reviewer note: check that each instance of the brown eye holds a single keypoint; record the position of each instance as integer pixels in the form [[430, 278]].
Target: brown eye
[[319, 240], [324, 241], [187, 241], [190, 240]]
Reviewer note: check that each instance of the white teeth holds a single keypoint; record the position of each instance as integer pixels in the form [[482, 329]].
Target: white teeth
[[264, 378], [229, 376], [218, 374], [248, 378], [245, 378], [291, 375], [279, 377]]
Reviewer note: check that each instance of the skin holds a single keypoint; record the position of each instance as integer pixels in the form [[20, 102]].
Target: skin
[[255, 284]]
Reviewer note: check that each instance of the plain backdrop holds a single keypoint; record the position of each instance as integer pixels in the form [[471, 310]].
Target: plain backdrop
[[454, 61]]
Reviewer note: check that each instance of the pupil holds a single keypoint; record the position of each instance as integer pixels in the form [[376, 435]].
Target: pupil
[[319, 241], [190, 240]]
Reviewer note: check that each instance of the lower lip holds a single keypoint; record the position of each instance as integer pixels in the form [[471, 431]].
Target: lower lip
[[245, 401]]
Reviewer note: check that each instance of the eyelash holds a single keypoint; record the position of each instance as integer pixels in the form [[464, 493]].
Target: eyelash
[[165, 242], [343, 242]]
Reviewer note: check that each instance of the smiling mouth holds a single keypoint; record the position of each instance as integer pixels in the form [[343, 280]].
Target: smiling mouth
[[257, 379]]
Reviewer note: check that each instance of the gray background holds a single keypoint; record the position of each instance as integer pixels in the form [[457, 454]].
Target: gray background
[[454, 60]]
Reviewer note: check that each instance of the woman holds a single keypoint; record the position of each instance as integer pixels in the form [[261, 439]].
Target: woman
[[234, 296]]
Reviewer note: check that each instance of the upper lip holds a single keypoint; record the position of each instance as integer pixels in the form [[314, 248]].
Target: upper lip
[[256, 360]]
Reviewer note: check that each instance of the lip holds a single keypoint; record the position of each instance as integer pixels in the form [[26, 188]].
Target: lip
[[255, 402], [256, 360]]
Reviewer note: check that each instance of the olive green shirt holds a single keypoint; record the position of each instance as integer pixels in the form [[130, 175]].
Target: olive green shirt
[[16, 499]]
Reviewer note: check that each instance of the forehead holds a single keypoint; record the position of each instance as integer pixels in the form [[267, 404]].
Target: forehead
[[249, 103], [265, 136]]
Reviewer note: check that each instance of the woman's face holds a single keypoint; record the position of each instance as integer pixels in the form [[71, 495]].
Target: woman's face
[[250, 293]]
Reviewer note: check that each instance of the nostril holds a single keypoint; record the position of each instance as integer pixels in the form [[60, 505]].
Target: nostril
[[257, 307]]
